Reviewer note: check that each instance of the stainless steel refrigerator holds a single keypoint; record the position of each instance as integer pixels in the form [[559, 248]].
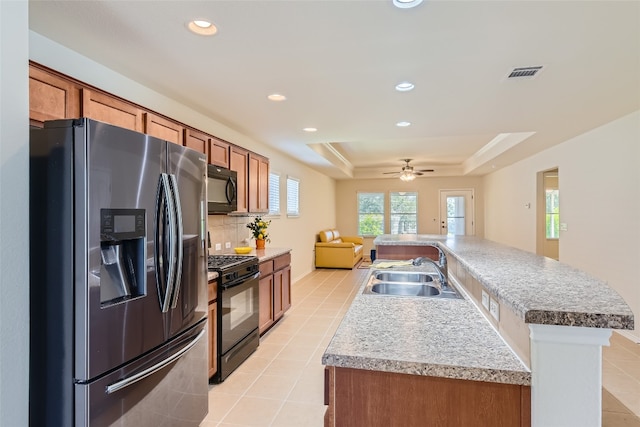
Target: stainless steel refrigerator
[[118, 278]]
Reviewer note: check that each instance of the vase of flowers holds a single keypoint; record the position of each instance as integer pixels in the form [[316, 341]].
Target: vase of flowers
[[258, 229]]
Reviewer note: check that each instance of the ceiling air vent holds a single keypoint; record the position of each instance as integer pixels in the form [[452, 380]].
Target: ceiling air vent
[[524, 72]]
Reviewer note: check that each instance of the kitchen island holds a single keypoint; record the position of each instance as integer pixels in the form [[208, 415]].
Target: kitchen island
[[451, 340]]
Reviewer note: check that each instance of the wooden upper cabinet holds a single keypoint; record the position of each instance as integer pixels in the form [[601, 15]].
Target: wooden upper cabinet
[[108, 109], [239, 162], [219, 152], [196, 140], [258, 183], [162, 128], [51, 97]]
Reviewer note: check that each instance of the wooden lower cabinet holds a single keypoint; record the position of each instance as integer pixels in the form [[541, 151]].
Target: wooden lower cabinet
[[372, 398], [275, 290], [266, 303], [213, 331]]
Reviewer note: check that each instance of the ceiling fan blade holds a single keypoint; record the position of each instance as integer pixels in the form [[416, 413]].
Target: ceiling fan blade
[[425, 170], [385, 173], [418, 173]]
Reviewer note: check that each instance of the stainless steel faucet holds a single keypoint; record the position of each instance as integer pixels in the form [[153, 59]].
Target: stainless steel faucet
[[441, 265]]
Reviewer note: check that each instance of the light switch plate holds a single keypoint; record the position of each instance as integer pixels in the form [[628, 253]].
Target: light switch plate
[[227, 245], [485, 299], [563, 226], [494, 309], [218, 246]]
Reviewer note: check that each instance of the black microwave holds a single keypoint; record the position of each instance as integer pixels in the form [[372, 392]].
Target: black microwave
[[222, 190]]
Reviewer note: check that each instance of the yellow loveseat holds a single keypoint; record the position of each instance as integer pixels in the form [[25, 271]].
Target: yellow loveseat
[[335, 251]]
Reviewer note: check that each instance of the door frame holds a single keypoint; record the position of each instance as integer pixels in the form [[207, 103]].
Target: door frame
[[468, 206]]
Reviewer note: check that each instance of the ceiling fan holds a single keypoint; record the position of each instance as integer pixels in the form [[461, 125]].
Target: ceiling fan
[[408, 173]]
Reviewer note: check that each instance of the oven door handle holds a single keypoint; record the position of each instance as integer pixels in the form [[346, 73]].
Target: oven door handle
[[241, 280]]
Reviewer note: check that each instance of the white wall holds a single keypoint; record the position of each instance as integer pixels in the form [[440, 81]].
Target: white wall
[[428, 200], [317, 191], [599, 175], [14, 218]]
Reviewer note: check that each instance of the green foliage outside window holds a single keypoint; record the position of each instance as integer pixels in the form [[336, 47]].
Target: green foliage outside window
[[552, 219], [370, 214], [404, 212]]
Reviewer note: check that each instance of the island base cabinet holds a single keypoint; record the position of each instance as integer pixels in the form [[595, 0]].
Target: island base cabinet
[[372, 398], [406, 252]]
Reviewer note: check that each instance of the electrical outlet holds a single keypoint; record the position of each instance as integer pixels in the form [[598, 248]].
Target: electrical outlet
[[494, 309], [218, 246], [227, 245], [485, 299]]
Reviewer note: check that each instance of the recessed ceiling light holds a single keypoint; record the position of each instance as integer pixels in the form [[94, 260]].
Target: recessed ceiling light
[[310, 129], [276, 97], [403, 124], [406, 4], [202, 27], [405, 86]]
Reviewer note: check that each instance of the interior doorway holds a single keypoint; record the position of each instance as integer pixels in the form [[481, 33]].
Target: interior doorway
[[548, 214], [457, 212]]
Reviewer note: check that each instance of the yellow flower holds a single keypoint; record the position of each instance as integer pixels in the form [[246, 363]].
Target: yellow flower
[[260, 236]]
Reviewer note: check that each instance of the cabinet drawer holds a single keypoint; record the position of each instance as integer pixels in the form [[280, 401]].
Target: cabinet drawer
[[281, 262], [213, 290], [266, 268]]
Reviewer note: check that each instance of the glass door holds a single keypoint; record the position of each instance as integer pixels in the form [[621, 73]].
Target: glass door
[[456, 212]]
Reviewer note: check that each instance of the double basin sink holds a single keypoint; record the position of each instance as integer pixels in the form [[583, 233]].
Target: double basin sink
[[408, 283]]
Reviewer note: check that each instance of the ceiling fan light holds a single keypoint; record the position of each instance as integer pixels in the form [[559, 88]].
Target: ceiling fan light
[[407, 176]]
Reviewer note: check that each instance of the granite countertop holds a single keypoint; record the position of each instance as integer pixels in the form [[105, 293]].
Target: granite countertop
[[537, 289], [422, 336]]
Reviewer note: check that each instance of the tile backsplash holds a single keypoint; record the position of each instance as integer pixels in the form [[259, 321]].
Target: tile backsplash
[[225, 229]]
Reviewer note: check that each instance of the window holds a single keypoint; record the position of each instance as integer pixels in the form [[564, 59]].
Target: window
[[404, 212], [552, 220], [293, 200], [274, 193], [370, 214]]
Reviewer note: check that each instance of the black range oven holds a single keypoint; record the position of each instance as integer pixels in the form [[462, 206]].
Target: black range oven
[[238, 304]]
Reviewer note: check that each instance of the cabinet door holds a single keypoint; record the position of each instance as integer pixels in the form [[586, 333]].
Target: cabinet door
[[51, 97], [219, 152], [266, 303], [108, 109], [162, 128], [278, 303], [196, 140], [258, 183], [238, 162], [263, 185], [213, 333], [286, 289]]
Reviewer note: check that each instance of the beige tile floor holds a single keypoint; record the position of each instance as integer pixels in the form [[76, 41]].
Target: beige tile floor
[[281, 384]]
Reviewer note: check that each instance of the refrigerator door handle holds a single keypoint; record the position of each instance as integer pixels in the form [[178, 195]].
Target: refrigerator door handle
[[178, 242], [153, 369], [165, 238]]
